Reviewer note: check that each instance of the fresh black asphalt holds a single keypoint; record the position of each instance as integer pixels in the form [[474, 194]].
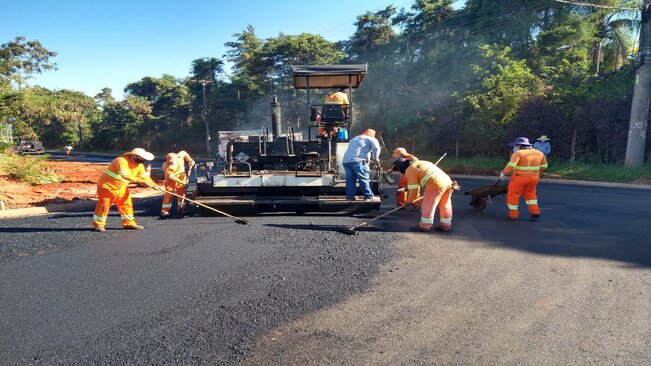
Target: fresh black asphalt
[[199, 290]]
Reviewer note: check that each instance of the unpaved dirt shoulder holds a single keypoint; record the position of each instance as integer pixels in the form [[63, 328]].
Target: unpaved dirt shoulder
[[451, 301]]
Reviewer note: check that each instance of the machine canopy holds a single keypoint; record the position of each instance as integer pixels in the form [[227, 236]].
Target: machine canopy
[[328, 76]]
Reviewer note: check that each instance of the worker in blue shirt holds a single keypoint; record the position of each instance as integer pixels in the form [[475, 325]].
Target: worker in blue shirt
[[542, 144], [362, 150]]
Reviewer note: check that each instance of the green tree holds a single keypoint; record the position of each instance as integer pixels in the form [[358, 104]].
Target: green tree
[[504, 84], [20, 58]]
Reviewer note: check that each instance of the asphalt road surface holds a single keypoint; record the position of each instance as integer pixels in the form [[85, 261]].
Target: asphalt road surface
[[572, 288]]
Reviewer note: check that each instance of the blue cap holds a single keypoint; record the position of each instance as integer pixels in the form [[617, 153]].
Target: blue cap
[[520, 141]]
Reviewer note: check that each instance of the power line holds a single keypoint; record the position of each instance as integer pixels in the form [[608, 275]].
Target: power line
[[595, 5]]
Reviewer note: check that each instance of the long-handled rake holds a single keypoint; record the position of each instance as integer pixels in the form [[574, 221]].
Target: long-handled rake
[[352, 229], [239, 220]]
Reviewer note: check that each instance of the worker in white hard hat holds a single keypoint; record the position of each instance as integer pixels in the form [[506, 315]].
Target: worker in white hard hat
[[112, 187]]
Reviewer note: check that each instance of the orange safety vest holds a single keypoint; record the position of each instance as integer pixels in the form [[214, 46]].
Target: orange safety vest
[[426, 175], [120, 172], [526, 162], [176, 171]]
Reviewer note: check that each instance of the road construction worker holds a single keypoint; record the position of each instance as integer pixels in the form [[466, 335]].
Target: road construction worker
[[338, 97], [112, 187], [362, 150], [437, 192], [542, 144], [175, 180], [401, 193], [526, 164], [68, 149]]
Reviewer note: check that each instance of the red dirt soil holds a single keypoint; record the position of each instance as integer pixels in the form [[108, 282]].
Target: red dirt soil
[[79, 182]]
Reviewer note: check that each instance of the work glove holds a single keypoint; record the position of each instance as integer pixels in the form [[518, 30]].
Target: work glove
[[156, 187], [502, 175]]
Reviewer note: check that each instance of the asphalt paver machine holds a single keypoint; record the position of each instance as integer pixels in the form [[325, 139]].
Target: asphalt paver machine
[[283, 172]]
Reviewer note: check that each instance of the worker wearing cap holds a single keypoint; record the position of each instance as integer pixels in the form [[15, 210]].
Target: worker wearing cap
[[112, 187], [437, 192], [175, 179], [526, 164], [362, 150], [401, 193]]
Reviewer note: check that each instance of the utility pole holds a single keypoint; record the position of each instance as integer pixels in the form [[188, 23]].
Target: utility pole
[[205, 112], [636, 143]]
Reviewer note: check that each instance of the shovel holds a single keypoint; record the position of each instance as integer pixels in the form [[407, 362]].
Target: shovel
[[239, 220]]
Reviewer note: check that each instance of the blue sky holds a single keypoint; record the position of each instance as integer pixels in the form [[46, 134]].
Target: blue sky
[[112, 43]]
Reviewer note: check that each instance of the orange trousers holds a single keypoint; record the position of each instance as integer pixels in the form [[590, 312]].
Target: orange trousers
[[168, 198], [522, 186], [106, 199], [441, 198]]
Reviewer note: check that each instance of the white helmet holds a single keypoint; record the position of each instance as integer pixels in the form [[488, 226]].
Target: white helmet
[[142, 153]]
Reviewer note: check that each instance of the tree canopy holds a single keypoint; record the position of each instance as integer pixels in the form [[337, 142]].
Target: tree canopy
[[440, 79]]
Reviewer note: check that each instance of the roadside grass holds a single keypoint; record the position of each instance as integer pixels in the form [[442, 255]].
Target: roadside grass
[[28, 169], [486, 165]]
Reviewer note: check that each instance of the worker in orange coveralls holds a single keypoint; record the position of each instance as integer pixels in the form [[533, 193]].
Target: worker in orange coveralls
[[175, 180], [401, 193], [112, 187], [526, 164], [437, 192]]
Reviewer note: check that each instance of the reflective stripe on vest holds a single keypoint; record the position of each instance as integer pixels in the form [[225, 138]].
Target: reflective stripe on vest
[[535, 167], [425, 178], [413, 186], [115, 176]]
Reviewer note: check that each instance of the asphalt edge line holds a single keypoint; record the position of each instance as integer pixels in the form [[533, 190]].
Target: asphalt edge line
[[564, 181], [63, 207]]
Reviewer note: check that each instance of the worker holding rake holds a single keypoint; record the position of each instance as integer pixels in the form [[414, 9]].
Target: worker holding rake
[[437, 192], [176, 178], [113, 187]]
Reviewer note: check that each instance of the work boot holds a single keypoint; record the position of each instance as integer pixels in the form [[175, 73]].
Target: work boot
[[369, 198], [512, 218], [535, 216], [164, 214], [423, 229], [444, 229], [100, 229], [134, 227]]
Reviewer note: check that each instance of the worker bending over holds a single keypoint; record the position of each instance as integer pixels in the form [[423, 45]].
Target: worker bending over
[[112, 187], [437, 192], [175, 180], [362, 150], [401, 193], [526, 164]]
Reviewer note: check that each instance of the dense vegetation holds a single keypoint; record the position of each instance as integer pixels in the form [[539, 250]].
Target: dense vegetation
[[465, 81]]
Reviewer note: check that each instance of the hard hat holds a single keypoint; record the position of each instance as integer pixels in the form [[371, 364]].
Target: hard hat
[[398, 152], [142, 153], [543, 138]]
